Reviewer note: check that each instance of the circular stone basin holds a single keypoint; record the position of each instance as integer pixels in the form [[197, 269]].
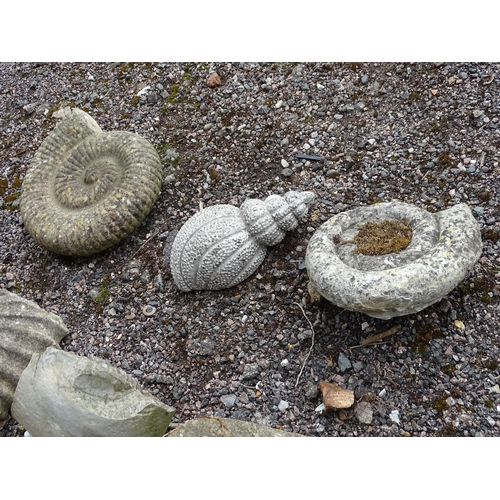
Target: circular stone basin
[[443, 247]]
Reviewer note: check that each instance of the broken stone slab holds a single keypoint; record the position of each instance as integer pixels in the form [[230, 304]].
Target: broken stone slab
[[25, 329], [443, 247], [62, 394], [226, 427]]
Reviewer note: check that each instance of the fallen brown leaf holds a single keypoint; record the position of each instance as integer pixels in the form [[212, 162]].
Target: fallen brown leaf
[[335, 396]]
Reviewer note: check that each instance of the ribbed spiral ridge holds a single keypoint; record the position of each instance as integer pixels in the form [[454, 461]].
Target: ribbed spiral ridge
[[86, 189]]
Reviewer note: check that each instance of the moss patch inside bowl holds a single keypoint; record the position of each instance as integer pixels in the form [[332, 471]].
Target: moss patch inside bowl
[[383, 237]]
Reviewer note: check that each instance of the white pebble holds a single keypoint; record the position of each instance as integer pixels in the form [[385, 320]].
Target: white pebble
[[148, 310], [284, 163], [283, 405], [144, 90], [394, 416]]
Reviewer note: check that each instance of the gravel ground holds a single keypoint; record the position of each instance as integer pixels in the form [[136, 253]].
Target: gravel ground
[[422, 133]]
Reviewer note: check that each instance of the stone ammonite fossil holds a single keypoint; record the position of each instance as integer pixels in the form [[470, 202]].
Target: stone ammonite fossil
[[443, 247], [222, 245], [87, 189]]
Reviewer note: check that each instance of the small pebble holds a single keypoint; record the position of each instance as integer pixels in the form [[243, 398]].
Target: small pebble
[[228, 400], [364, 412], [343, 363], [394, 416], [148, 310], [283, 405]]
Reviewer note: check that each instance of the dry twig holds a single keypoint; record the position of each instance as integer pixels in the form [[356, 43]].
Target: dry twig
[[223, 428], [141, 247], [379, 336], [312, 343]]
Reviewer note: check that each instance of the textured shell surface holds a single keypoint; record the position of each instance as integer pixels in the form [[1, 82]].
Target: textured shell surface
[[223, 245], [25, 329], [87, 189]]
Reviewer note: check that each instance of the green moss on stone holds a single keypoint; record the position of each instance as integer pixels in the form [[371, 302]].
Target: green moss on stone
[[382, 238]]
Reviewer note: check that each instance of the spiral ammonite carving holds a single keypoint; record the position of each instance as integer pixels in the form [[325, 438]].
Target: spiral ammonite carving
[[87, 189]]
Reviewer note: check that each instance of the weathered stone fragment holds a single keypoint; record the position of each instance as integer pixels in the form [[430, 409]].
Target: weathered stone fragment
[[25, 329], [226, 427], [62, 394], [444, 246]]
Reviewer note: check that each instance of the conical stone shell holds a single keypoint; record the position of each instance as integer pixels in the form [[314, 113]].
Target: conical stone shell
[[223, 245]]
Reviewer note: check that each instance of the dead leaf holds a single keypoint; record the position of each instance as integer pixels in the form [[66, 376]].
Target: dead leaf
[[458, 324], [335, 396], [346, 414], [488, 78], [314, 295]]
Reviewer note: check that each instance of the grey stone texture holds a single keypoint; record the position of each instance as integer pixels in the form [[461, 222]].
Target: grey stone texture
[[87, 189], [25, 329], [223, 245], [62, 394], [444, 246], [226, 427]]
